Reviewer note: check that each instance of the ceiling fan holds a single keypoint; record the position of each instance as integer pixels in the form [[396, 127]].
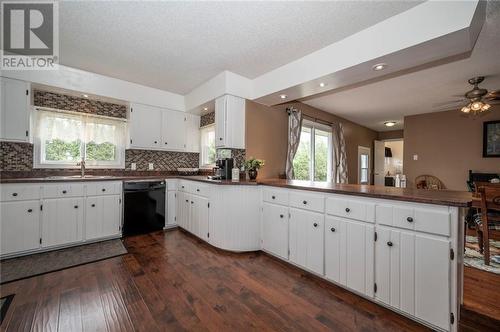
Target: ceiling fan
[[477, 100]]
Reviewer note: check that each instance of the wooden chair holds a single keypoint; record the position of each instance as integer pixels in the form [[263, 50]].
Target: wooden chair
[[488, 220], [428, 182]]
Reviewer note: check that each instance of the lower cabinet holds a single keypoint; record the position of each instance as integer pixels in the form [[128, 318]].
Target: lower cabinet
[[275, 229], [193, 214], [349, 253], [62, 221], [412, 274], [306, 239], [102, 216], [171, 208], [19, 226]]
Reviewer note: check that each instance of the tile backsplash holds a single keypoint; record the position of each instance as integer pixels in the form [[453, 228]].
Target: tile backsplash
[[16, 156], [207, 119]]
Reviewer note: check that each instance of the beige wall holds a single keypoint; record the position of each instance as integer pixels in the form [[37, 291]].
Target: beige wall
[[393, 134], [271, 142], [448, 145]]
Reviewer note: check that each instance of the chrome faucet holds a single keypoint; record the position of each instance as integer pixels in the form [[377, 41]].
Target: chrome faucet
[[82, 167]]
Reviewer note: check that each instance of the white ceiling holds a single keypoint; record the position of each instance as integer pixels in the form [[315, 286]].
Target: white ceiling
[[423, 91], [176, 46]]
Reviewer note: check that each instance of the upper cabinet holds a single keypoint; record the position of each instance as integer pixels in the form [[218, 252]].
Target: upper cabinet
[[155, 128], [14, 110], [230, 122]]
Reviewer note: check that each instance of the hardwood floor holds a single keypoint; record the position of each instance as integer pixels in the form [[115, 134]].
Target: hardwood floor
[[172, 281]]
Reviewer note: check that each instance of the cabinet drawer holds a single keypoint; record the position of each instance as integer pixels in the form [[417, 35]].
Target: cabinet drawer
[[428, 220], [184, 186], [350, 208], [305, 201], [198, 188], [104, 188], [57, 190], [19, 192], [276, 196], [172, 184]]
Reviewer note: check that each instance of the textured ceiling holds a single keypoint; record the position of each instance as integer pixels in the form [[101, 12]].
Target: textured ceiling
[[176, 46], [422, 91]]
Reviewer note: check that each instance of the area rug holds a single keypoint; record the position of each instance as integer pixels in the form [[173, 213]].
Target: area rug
[[474, 258], [33, 265]]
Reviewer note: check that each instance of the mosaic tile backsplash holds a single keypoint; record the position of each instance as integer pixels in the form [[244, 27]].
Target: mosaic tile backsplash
[[76, 104], [207, 119]]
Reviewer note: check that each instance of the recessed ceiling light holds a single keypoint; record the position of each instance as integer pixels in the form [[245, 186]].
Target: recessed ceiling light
[[205, 108], [390, 123], [322, 84], [283, 96], [379, 66], [85, 96]]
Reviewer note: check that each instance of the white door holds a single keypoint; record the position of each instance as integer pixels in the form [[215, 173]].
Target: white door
[[171, 208], [360, 257], [364, 160], [335, 250], [145, 127], [192, 133], [14, 110], [220, 121], [62, 220], [379, 163], [275, 229], [432, 280], [19, 226], [102, 216], [173, 130]]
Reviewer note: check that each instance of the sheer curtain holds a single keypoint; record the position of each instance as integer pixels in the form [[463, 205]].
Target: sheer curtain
[[339, 154], [294, 129]]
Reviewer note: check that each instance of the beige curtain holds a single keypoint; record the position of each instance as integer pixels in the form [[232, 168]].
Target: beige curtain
[[294, 129], [339, 154]]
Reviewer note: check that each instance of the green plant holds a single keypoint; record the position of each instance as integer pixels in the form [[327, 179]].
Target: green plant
[[253, 164]]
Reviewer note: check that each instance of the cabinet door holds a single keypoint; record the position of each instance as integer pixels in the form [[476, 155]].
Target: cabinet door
[[315, 242], [19, 226], [173, 130], [220, 121], [335, 250], [180, 209], [235, 122], [62, 220], [192, 133], [202, 210], [432, 280], [111, 215], [14, 110], [171, 208], [275, 229], [145, 127], [360, 256]]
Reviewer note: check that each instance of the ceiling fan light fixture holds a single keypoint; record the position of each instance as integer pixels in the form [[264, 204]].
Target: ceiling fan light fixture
[[466, 109], [485, 107], [476, 106]]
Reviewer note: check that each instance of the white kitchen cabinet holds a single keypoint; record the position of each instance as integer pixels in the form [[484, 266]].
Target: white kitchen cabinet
[[14, 110], [192, 133], [19, 226], [183, 209], [171, 208], [102, 216], [306, 239], [275, 229], [230, 122], [62, 221], [200, 217], [349, 254], [145, 127], [173, 130]]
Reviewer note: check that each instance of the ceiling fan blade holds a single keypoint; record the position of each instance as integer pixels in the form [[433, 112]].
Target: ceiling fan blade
[[493, 95], [457, 101]]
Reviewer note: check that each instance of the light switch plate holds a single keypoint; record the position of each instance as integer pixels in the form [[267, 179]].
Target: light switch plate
[[133, 166], [150, 166], [415, 157]]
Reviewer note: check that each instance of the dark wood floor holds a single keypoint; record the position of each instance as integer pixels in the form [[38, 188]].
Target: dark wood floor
[[172, 281]]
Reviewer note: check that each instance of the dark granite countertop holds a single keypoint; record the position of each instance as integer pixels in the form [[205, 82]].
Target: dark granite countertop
[[438, 197]]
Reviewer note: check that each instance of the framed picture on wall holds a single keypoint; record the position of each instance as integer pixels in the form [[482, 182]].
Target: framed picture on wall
[[491, 139]]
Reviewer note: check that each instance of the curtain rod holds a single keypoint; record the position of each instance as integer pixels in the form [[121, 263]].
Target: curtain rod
[[328, 123]]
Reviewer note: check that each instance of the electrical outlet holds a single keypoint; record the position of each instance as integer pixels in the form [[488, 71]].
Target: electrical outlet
[[150, 166], [133, 166]]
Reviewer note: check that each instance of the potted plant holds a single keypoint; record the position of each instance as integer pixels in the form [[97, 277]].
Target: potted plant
[[252, 165]]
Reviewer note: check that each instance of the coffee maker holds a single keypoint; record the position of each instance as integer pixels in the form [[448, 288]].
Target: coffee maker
[[224, 167]]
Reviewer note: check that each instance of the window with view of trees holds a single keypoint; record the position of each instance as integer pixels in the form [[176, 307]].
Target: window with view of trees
[[208, 152], [63, 139], [313, 158]]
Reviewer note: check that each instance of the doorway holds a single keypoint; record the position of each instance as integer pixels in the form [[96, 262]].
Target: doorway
[[388, 161]]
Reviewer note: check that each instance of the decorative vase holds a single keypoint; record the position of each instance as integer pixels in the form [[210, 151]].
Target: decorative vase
[[252, 174]]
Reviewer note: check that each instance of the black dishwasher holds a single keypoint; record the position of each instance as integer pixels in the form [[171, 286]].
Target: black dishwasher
[[144, 208]]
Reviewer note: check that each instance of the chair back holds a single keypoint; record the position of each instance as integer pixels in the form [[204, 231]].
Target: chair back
[[428, 182], [490, 197]]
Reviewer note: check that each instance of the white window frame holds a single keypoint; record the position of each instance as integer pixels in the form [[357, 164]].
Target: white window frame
[[202, 150], [329, 168], [38, 149], [363, 150]]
